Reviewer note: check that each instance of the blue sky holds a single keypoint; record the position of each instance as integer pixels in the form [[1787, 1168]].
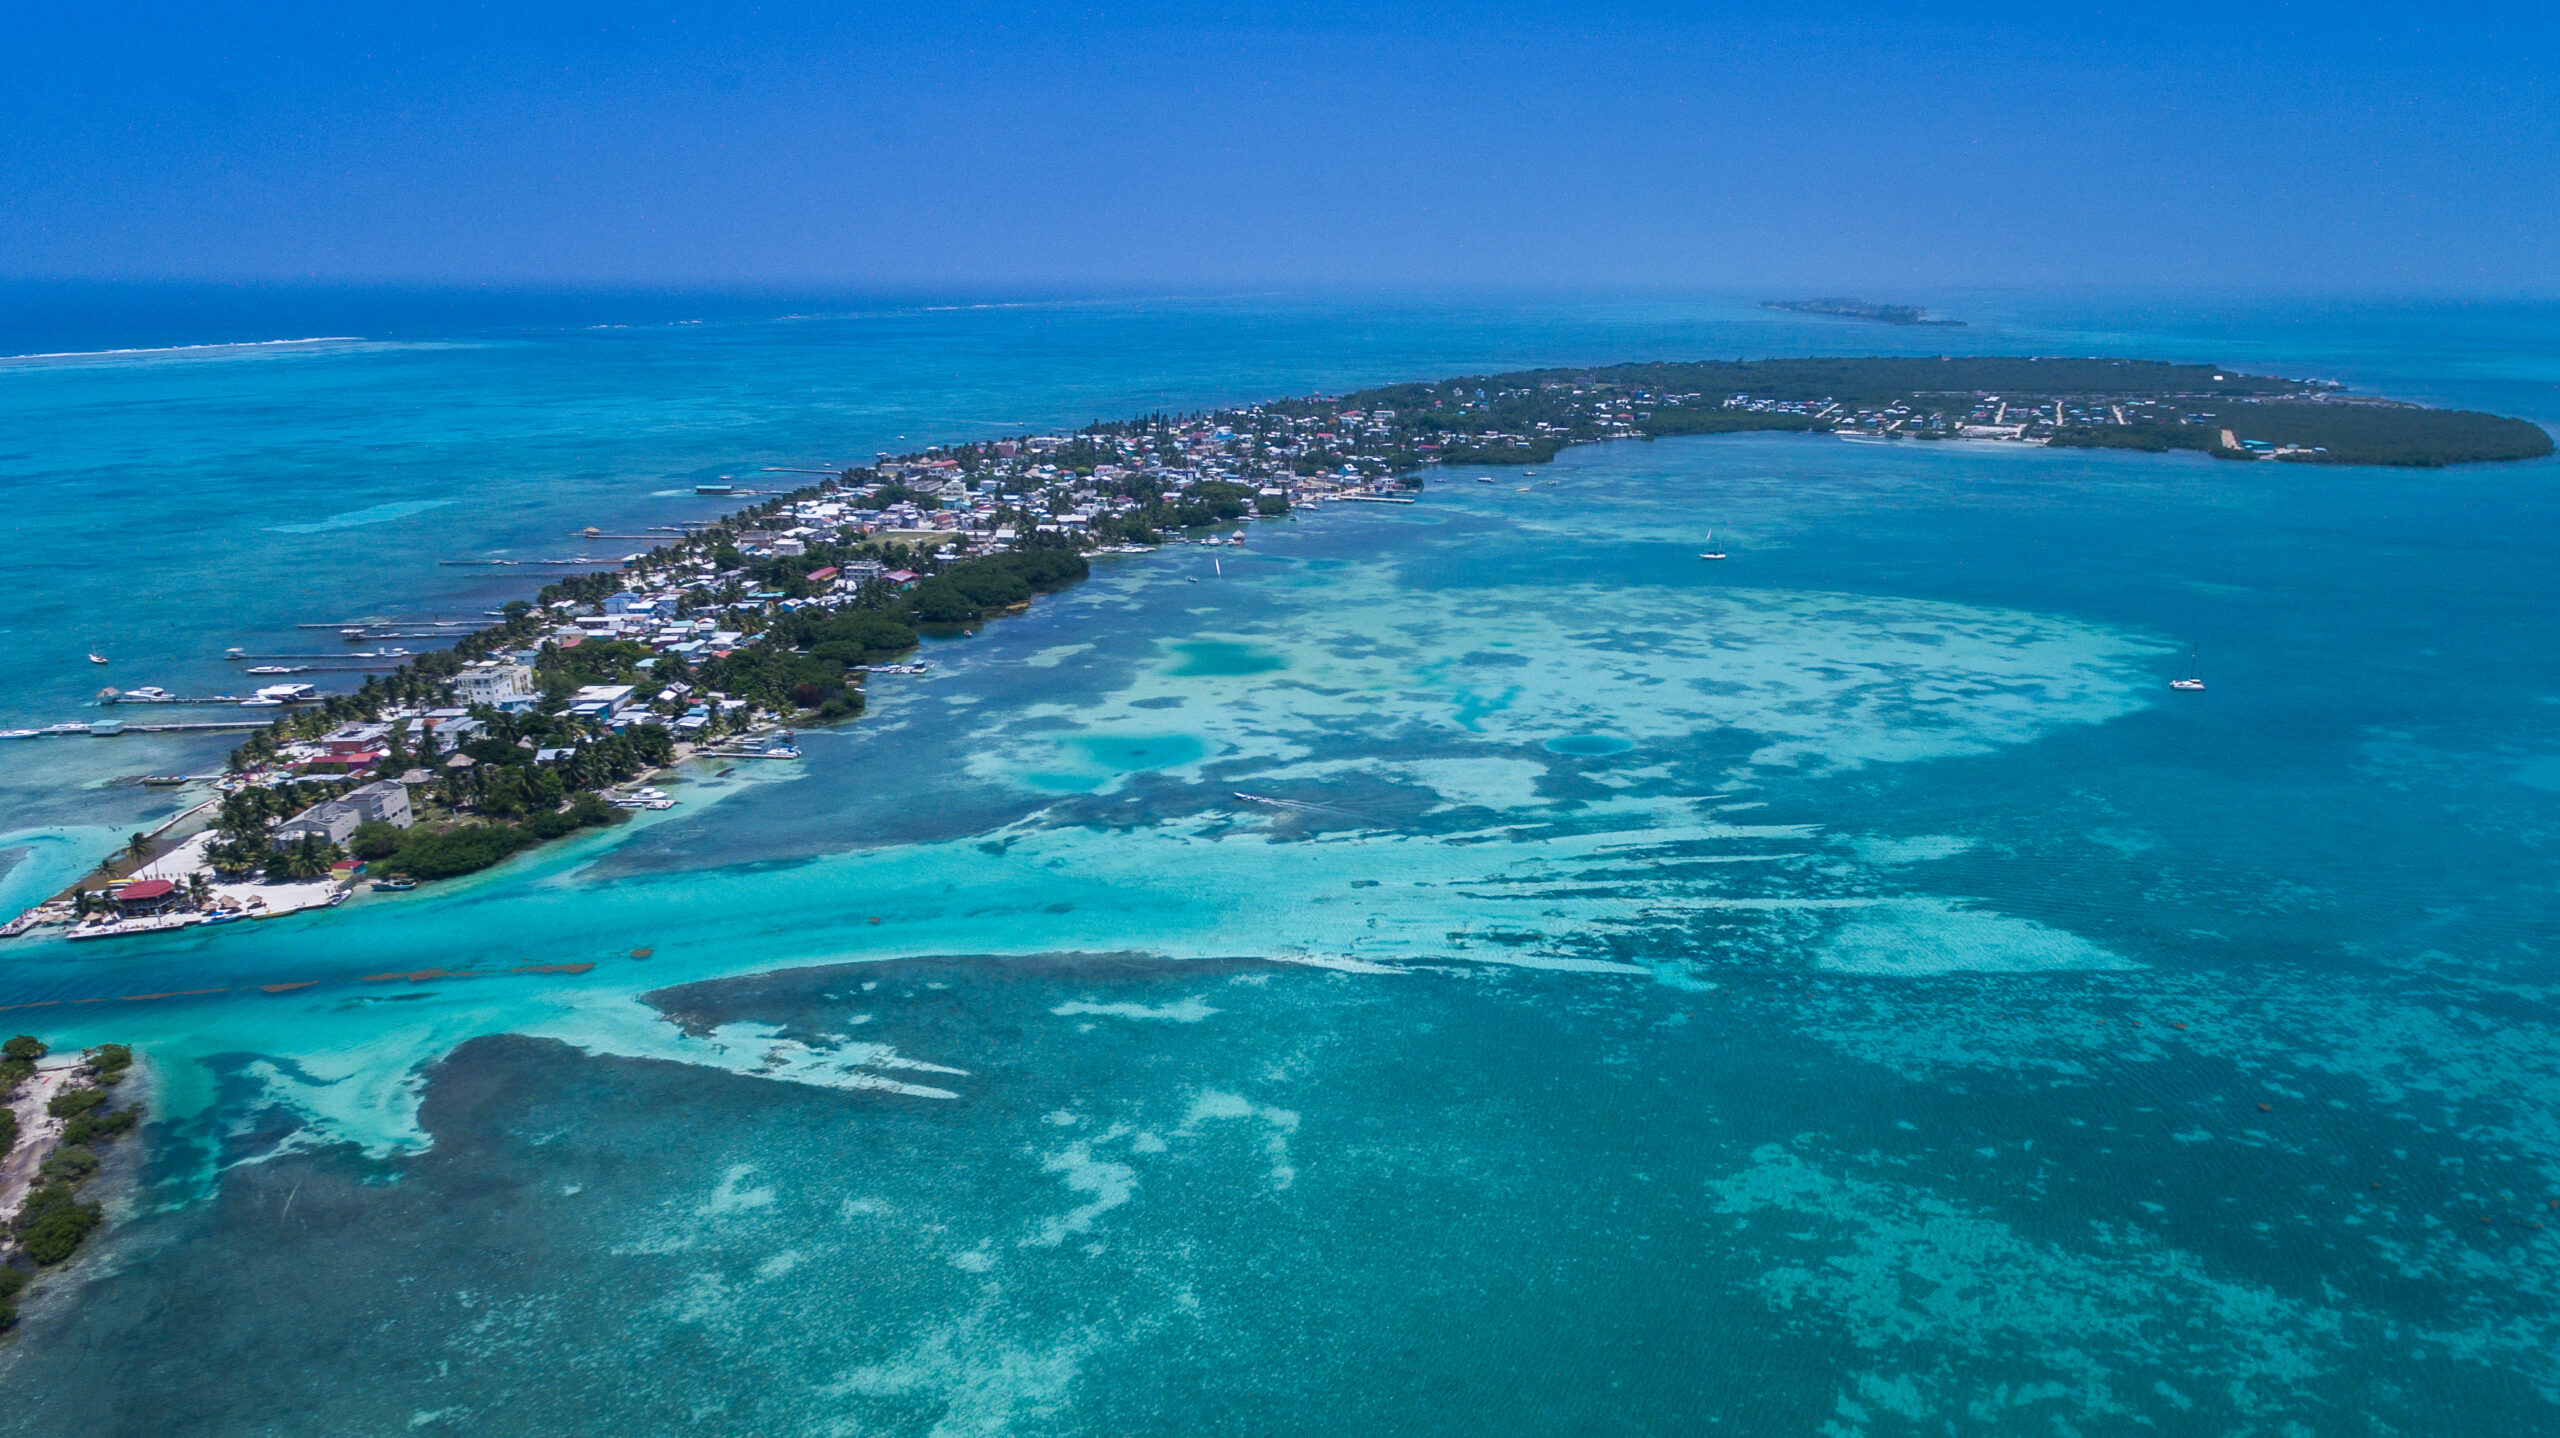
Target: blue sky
[[2301, 147]]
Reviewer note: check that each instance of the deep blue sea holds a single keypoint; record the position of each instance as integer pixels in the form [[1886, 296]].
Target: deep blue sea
[[1838, 991]]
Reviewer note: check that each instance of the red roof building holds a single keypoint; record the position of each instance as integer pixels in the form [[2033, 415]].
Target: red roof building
[[149, 896]]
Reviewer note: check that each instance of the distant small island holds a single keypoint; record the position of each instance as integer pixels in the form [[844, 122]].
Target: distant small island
[[1860, 310]]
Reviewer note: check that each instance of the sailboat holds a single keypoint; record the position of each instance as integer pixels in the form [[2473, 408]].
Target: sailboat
[[97, 659], [2191, 681], [1711, 551]]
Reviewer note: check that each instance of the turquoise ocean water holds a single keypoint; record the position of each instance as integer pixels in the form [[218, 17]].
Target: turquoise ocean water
[[1841, 990]]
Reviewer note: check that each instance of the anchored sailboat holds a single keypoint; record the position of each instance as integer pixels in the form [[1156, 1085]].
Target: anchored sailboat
[[1713, 550], [2191, 681]]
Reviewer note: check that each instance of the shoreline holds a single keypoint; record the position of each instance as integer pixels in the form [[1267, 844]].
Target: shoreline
[[783, 610], [38, 1134]]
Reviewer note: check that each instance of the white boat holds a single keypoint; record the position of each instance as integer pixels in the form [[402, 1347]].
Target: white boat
[[262, 702], [19, 733], [278, 668], [2191, 682], [147, 694], [1712, 551], [97, 659]]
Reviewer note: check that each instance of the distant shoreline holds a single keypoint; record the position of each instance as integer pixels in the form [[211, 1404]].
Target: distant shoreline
[[1861, 310]]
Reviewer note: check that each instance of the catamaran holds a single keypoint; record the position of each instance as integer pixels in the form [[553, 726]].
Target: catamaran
[[2191, 681]]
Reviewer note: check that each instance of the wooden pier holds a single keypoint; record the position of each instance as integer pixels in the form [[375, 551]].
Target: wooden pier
[[209, 726], [529, 564]]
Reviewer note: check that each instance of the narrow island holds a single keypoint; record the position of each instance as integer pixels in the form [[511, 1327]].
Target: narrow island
[[54, 1119], [1860, 310], [553, 719]]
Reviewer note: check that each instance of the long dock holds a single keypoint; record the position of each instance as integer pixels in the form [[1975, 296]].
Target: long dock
[[381, 623], [232, 700], [524, 563], [209, 726], [328, 661]]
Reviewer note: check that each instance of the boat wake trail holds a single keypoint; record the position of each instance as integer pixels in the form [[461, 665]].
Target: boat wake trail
[[1301, 804]]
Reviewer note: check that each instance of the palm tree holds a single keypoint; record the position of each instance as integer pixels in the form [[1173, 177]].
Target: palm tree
[[138, 846], [308, 858]]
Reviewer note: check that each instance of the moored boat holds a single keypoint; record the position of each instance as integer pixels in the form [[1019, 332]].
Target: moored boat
[[2192, 681]]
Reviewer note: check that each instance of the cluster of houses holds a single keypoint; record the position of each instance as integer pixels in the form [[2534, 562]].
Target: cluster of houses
[[1016, 487]]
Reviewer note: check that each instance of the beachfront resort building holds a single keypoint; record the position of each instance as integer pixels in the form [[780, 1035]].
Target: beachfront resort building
[[383, 801]]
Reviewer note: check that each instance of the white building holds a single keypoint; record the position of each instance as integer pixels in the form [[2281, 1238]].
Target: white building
[[383, 801], [494, 682]]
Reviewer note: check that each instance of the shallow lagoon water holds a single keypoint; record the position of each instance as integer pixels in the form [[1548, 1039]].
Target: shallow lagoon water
[[1915, 1016]]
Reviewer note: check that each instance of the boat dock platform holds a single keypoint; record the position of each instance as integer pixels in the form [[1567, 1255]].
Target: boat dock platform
[[232, 701], [340, 660], [611, 563], [110, 728], [343, 625]]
